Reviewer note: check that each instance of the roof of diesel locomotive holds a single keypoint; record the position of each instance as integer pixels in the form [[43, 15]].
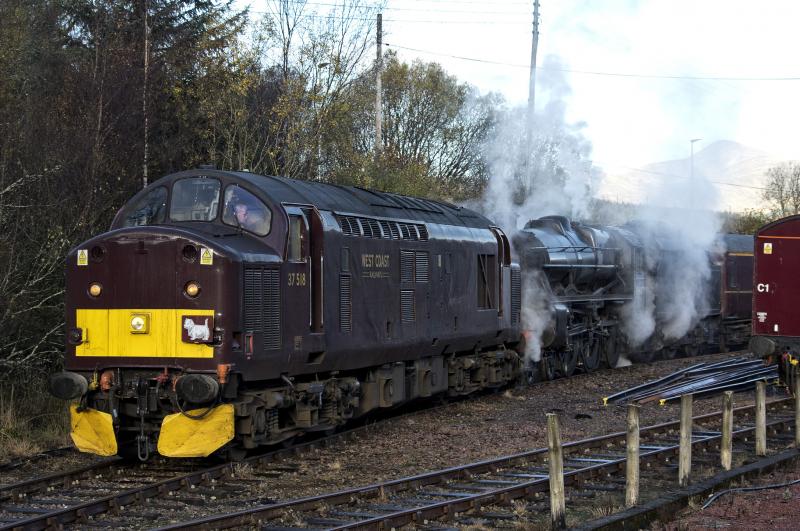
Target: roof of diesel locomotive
[[350, 199]]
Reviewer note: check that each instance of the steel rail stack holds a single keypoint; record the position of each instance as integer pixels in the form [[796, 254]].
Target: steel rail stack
[[701, 380]]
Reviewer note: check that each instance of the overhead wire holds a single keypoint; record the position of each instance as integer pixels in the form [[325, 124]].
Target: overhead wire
[[663, 174], [420, 21], [601, 73], [416, 9]]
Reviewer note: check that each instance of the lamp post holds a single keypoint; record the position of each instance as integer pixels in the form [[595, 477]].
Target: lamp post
[[691, 159]]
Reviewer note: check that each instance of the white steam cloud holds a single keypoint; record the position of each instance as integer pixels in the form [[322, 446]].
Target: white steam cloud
[[551, 172], [535, 313], [548, 173], [679, 228]]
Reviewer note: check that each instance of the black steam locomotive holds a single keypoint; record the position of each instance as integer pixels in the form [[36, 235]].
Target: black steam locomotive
[[585, 286], [227, 310]]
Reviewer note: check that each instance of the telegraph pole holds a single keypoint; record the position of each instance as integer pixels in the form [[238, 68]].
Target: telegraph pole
[[532, 76], [144, 90], [532, 98], [378, 68]]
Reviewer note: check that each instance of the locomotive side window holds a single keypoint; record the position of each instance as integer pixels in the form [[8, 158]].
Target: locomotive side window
[[296, 238], [195, 199], [730, 271], [243, 209], [487, 273], [149, 210]]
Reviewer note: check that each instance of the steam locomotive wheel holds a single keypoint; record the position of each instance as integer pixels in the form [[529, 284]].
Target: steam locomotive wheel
[[669, 353], [547, 368], [610, 352], [590, 356], [567, 361]]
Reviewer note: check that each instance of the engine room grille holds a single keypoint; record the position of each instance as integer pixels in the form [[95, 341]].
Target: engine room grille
[[516, 295], [384, 229], [406, 266], [345, 304], [422, 267], [262, 305], [408, 312]]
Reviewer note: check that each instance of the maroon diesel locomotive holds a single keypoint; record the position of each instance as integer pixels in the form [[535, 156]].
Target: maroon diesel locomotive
[[225, 310]]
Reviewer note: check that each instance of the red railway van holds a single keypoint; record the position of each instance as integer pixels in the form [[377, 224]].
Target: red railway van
[[776, 291]]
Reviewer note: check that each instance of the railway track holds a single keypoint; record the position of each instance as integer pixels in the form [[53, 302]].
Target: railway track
[[114, 485], [499, 492], [46, 454]]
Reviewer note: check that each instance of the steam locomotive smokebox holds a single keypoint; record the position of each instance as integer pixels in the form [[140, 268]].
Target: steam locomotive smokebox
[[197, 388], [68, 385]]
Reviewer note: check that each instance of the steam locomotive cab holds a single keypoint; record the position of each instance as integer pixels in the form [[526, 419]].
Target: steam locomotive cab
[[229, 310], [694, 315]]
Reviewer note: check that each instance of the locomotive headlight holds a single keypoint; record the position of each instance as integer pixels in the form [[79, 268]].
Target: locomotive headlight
[[95, 289], [139, 323], [192, 289]]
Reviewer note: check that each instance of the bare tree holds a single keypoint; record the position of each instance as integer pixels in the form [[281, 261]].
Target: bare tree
[[783, 188], [321, 56]]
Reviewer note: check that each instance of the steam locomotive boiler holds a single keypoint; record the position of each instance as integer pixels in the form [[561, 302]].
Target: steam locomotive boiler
[[226, 310], [584, 275]]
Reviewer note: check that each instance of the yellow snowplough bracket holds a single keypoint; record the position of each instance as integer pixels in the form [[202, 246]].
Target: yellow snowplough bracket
[[92, 431], [183, 436]]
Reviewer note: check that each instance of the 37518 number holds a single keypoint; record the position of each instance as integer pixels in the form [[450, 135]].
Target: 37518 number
[[297, 279]]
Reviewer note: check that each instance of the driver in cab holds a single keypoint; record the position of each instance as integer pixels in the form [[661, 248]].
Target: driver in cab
[[243, 216], [248, 217], [246, 213]]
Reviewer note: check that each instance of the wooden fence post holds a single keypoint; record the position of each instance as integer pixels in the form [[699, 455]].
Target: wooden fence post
[[557, 503], [726, 448], [685, 455], [632, 462], [796, 390], [761, 418]]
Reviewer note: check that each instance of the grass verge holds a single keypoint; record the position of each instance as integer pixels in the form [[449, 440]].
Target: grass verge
[[30, 420]]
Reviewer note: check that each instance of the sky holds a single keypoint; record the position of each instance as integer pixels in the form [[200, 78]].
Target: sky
[[631, 119]]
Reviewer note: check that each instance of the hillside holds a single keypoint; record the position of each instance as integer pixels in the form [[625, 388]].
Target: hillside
[[733, 168]]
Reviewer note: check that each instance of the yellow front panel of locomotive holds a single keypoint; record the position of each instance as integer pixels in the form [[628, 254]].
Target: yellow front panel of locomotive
[[138, 333]]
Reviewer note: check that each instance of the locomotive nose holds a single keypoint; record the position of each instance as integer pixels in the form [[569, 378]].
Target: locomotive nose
[[146, 295]]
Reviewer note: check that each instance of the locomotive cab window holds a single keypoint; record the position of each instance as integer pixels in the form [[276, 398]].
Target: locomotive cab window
[[246, 211], [195, 199], [149, 210]]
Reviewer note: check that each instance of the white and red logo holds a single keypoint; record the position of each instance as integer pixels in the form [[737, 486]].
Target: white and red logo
[[197, 328]]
